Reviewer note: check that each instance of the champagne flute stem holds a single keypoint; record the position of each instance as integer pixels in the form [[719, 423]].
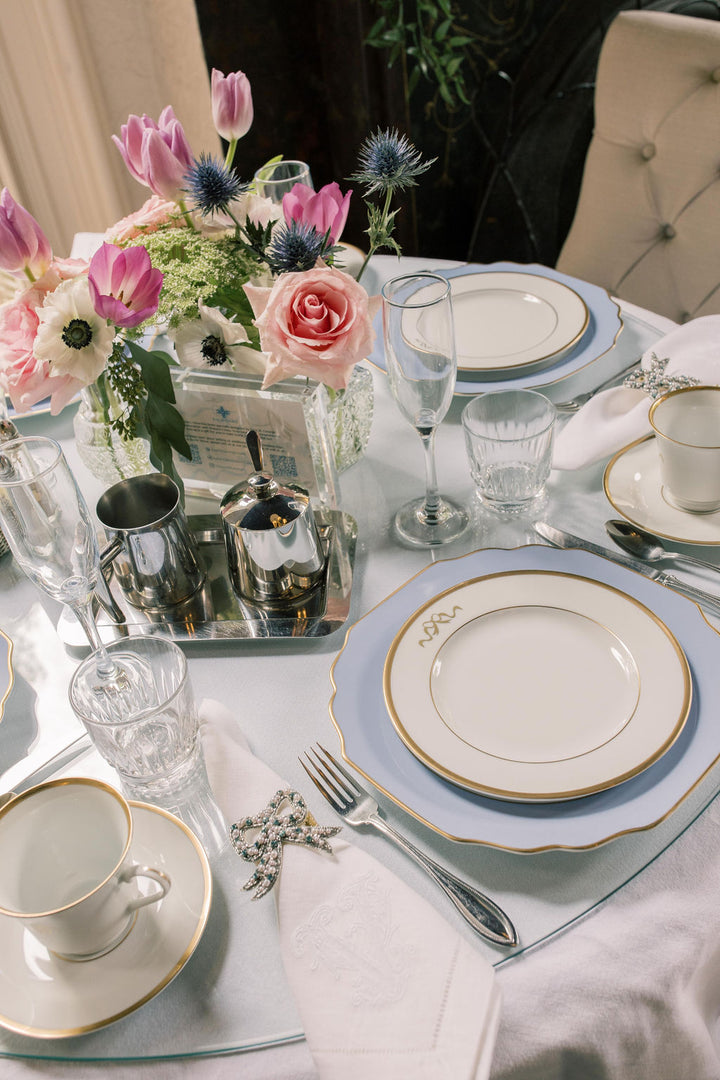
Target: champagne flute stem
[[431, 507], [106, 667]]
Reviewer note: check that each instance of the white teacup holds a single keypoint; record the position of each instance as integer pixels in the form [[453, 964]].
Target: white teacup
[[687, 430], [65, 867]]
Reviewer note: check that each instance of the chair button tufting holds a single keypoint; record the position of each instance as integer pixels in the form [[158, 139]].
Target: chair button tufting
[[715, 75], [648, 151], [667, 232]]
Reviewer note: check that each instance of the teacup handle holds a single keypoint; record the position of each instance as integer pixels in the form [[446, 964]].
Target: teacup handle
[[156, 875]]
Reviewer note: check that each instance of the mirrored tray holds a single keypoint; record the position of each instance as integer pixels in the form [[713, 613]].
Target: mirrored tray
[[217, 614]]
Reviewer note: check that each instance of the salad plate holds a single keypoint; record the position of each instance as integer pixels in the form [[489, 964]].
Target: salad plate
[[588, 651], [371, 744], [633, 486], [598, 338], [510, 323], [49, 998], [7, 676]]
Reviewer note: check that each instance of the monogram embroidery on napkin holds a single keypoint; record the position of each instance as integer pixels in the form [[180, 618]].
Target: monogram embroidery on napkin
[[356, 940], [431, 626]]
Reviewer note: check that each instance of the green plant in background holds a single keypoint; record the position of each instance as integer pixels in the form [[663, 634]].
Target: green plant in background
[[430, 35]]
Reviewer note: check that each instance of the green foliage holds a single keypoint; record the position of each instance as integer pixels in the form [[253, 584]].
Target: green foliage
[[155, 417], [194, 267], [427, 32]]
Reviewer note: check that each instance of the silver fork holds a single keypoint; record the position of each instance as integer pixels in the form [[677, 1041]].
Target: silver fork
[[357, 807], [579, 400]]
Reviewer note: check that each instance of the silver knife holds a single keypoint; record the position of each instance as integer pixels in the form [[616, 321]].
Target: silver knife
[[562, 539], [48, 768]]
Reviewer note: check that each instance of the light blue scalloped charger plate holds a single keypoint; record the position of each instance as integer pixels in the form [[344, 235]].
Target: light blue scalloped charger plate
[[602, 331], [372, 746]]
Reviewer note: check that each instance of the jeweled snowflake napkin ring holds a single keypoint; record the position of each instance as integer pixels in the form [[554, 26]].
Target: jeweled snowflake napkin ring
[[296, 826], [653, 380]]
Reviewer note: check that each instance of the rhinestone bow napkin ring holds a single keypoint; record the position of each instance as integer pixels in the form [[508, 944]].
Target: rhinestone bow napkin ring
[[654, 381], [294, 826]]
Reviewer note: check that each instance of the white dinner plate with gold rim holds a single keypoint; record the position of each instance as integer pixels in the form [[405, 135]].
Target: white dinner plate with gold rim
[[7, 676], [594, 345], [372, 746], [49, 998], [634, 487], [511, 323], [605, 687]]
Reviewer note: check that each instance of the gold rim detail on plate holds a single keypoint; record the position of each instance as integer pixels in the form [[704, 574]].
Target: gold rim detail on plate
[[411, 731], [634, 515], [519, 282]]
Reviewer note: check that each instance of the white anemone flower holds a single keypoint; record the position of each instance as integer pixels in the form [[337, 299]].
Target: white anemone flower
[[71, 336], [214, 341]]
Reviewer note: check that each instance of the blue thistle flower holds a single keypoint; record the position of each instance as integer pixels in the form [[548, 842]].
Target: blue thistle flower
[[211, 186], [389, 162], [295, 248]]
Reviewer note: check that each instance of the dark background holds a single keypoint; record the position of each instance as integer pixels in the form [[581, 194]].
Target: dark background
[[509, 163]]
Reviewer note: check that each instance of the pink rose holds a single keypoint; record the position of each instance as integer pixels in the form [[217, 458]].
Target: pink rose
[[26, 379], [151, 215], [317, 323]]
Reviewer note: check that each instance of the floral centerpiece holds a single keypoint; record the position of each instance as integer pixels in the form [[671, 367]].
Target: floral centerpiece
[[235, 281]]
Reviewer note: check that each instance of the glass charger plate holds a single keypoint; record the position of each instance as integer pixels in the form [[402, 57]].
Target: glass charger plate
[[232, 994], [6, 670], [587, 650], [601, 335], [376, 750]]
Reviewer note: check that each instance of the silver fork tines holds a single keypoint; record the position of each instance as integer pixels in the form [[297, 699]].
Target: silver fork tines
[[353, 803]]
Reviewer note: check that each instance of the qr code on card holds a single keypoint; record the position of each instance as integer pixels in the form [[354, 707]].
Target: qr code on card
[[284, 464]]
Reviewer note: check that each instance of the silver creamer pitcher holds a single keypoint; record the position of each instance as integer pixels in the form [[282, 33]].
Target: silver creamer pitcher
[[271, 539], [154, 555]]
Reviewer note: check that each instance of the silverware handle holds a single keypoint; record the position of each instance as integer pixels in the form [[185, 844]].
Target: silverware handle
[[692, 561], [705, 599], [483, 915]]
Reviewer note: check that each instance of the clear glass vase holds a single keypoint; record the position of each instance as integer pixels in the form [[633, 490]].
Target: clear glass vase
[[350, 414], [106, 454]]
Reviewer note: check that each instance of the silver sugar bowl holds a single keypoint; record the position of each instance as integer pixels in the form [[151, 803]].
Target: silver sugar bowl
[[271, 539]]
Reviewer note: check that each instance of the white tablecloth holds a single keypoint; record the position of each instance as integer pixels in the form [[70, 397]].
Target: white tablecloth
[[632, 990]]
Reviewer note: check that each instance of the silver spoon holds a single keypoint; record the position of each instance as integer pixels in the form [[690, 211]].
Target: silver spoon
[[644, 545]]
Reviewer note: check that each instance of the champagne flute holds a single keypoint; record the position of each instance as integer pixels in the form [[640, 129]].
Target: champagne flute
[[48, 527], [279, 177], [422, 367]]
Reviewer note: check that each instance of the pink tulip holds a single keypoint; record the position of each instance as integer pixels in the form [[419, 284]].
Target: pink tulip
[[157, 155], [23, 244], [124, 286], [232, 106], [325, 209]]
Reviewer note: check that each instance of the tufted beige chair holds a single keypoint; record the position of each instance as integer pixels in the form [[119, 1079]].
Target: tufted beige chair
[[647, 224]]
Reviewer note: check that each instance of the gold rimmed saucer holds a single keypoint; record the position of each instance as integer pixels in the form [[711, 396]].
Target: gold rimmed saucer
[[634, 488], [49, 998]]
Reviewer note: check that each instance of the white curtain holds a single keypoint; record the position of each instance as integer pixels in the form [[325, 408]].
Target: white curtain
[[71, 71]]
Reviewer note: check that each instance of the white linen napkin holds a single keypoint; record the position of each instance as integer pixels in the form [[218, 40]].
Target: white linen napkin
[[618, 416], [384, 986]]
